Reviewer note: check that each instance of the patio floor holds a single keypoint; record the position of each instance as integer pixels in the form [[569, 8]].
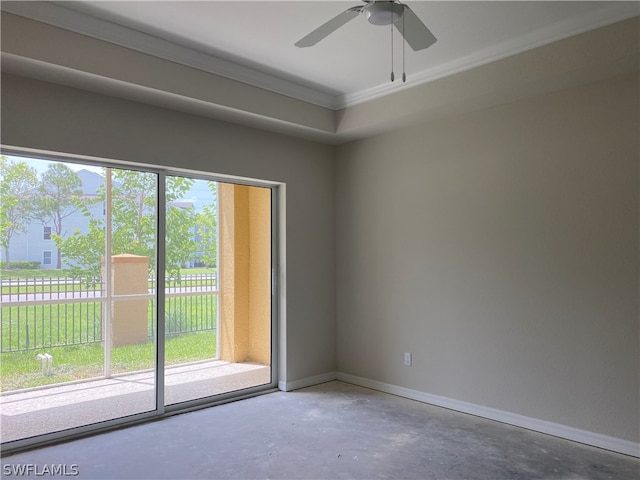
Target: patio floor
[[50, 409]]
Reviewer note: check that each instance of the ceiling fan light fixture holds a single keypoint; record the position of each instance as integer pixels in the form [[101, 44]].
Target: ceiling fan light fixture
[[383, 13]]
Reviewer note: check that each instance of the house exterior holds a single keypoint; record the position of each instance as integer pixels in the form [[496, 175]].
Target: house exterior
[[37, 244]]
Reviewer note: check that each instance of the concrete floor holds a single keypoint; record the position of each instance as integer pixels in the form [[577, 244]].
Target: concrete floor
[[329, 431]]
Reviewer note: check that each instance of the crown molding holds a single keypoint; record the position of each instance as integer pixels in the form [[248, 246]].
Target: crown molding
[[618, 11], [85, 24], [59, 16]]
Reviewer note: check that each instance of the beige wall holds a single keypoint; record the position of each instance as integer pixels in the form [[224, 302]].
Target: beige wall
[[46, 116], [83, 62], [501, 249]]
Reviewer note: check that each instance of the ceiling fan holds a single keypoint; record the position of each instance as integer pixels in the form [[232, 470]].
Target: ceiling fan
[[379, 12]]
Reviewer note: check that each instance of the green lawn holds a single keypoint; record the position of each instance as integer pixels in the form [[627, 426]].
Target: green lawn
[[45, 326], [36, 281], [53, 273], [32, 273], [197, 271], [23, 370], [189, 320]]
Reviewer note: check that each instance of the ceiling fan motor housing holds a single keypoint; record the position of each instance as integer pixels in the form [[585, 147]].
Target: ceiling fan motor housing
[[384, 12], [378, 12]]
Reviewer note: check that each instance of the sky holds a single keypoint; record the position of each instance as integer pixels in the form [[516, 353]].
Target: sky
[[199, 194]]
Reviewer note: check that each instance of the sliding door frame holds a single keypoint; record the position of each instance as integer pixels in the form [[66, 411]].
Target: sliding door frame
[[277, 298]]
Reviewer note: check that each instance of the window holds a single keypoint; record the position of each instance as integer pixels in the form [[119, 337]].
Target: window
[[139, 294]]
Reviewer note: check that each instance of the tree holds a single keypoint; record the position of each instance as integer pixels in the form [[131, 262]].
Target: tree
[[59, 196], [133, 213], [133, 220], [18, 182], [181, 245], [83, 252], [133, 205], [207, 226]]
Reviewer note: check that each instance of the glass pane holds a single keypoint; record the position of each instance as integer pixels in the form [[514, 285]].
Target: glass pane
[[71, 355], [208, 351]]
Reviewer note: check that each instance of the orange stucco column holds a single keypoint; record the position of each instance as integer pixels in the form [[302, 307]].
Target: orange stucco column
[[129, 318], [245, 273]]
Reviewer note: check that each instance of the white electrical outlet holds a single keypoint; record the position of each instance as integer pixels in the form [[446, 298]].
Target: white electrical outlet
[[407, 359]]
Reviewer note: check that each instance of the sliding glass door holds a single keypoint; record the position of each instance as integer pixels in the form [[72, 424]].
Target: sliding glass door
[[125, 292], [77, 312]]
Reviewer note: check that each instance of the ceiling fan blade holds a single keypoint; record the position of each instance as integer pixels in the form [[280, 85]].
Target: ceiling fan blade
[[327, 28], [416, 33]]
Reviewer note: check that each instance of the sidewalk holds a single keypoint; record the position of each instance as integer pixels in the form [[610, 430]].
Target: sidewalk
[[52, 409]]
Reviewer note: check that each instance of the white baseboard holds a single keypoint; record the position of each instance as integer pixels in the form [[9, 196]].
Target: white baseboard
[[582, 436], [306, 382]]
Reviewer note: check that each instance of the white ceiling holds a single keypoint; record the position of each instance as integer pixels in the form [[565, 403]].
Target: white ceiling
[[254, 41]]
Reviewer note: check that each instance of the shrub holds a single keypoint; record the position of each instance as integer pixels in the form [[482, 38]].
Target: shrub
[[22, 265]]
